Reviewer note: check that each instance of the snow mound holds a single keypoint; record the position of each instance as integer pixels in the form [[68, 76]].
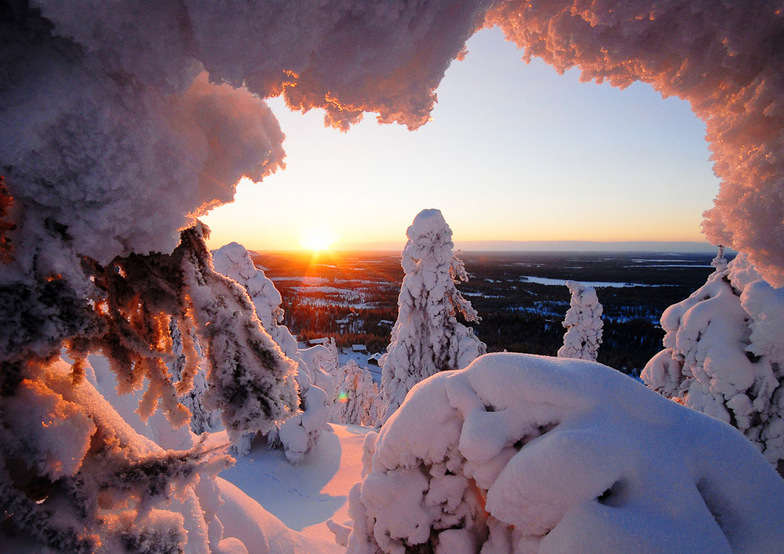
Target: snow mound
[[533, 454]]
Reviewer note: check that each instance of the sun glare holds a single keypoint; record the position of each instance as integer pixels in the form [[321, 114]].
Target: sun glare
[[317, 239]]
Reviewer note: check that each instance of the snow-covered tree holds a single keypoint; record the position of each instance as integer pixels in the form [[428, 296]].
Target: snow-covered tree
[[358, 394], [719, 262], [523, 453], [583, 324], [300, 432], [724, 355], [427, 337], [79, 459]]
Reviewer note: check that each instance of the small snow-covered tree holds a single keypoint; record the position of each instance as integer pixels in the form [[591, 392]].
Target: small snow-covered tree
[[724, 355], [583, 324], [719, 262], [357, 396], [427, 337], [316, 388]]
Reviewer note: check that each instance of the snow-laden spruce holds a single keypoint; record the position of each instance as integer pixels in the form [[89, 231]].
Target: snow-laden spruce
[[316, 389], [583, 324], [358, 399], [724, 355], [525, 454], [59, 450], [427, 337]]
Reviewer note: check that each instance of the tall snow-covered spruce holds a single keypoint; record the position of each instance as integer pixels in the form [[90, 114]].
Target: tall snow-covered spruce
[[583, 324], [427, 337], [724, 355]]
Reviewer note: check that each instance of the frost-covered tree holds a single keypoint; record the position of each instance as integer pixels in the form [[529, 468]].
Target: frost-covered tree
[[522, 453], [300, 432], [358, 395], [427, 337], [719, 262], [724, 355], [79, 459], [583, 324]]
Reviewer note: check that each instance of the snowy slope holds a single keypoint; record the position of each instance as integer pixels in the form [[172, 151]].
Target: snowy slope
[[304, 496]]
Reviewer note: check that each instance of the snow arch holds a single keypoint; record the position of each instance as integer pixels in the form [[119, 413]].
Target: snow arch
[[117, 93]]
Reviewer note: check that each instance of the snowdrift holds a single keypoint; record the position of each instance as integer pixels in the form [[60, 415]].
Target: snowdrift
[[532, 454]]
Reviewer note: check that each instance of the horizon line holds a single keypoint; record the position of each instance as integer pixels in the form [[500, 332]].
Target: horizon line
[[681, 247]]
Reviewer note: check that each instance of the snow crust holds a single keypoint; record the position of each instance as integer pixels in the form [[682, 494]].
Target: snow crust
[[723, 354], [533, 454]]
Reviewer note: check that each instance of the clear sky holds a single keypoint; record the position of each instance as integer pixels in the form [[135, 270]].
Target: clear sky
[[513, 152]]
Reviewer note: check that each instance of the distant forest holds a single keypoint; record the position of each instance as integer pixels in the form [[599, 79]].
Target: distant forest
[[353, 297]]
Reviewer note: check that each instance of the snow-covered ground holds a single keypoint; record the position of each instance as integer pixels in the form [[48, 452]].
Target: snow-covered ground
[[303, 496]]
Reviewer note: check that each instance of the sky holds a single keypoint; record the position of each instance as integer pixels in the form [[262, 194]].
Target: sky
[[514, 152]]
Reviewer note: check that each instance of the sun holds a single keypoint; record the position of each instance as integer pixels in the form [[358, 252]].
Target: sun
[[317, 239]]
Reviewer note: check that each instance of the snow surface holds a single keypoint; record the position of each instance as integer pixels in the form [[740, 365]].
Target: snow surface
[[304, 496]]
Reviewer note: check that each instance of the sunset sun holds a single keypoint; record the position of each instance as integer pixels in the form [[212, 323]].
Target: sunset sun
[[317, 239]]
